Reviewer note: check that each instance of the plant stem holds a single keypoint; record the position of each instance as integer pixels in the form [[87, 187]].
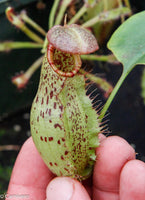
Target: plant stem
[[28, 20], [127, 3], [10, 147], [64, 5], [53, 12], [105, 2], [104, 58], [78, 14], [143, 85], [121, 5], [7, 46], [22, 79], [31, 34], [33, 67], [112, 95], [45, 44], [17, 21], [107, 16]]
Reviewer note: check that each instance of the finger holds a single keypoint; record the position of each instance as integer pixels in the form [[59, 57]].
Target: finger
[[101, 137], [132, 181], [112, 154], [65, 188], [30, 175]]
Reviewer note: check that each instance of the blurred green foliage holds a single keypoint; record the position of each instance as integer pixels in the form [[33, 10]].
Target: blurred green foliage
[[14, 3], [5, 173], [14, 61]]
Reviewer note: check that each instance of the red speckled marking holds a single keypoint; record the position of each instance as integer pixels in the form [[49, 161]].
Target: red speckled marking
[[37, 99], [46, 111], [37, 118], [66, 152], [51, 94], [47, 100], [57, 125], [54, 105], [62, 158], [49, 112], [42, 101], [50, 139], [45, 76], [61, 108], [66, 169], [46, 90], [43, 115], [63, 139], [58, 141]]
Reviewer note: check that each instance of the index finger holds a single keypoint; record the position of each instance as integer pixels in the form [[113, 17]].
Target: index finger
[[30, 175]]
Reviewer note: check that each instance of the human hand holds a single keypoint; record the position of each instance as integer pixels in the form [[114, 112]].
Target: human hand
[[117, 176]]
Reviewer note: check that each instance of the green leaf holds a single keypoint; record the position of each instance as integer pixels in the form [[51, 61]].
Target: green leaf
[[143, 86], [128, 45], [128, 42]]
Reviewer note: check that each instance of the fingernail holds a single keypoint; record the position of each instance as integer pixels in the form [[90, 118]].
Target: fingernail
[[60, 188]]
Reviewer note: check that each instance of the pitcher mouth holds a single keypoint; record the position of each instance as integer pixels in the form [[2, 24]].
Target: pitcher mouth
[[64, 64]]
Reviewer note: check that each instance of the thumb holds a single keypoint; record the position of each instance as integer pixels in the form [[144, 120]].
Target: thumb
[[66, 188]]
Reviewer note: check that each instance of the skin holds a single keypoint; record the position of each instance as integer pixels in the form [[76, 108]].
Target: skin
[[117, 175]]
